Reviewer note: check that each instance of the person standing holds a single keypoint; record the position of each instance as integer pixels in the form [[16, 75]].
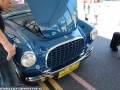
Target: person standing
[[86, 9], [115, 42], [7, 50], [96, 10]]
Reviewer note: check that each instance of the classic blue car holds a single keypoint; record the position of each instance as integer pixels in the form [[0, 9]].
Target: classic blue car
[[50, 39]]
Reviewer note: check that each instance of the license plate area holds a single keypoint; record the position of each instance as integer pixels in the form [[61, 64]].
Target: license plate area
[[68, 69]]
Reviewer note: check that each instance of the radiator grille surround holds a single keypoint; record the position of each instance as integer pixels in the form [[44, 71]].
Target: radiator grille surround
[[64, 52]]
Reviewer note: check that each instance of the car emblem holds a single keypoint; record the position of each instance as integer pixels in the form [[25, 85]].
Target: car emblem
[[65, 36]]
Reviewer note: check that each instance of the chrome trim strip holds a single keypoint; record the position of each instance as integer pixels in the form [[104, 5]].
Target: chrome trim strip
[[32, 79], [59, 45]]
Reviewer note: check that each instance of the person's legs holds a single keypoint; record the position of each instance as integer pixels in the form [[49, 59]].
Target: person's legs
[[96, 19], [7, 73], [86, 17], [115, 41]]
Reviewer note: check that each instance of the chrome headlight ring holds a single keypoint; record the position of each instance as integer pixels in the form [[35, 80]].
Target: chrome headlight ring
[[28, 59], [93, 34]]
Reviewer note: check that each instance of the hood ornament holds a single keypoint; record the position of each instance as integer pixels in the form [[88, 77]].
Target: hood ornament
[[65, 36]]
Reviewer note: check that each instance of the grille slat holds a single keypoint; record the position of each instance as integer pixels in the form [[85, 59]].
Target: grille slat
[[65, 53]]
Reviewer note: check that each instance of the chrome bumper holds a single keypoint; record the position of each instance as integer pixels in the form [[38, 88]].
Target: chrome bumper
[[48, 75]]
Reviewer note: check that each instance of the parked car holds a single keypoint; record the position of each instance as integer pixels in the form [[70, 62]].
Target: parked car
[[50, 39]]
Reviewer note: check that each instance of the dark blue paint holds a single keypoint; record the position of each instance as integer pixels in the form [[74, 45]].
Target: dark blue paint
[[56, 17]]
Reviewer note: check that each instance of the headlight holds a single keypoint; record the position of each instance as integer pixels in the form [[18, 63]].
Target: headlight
[[28, 59], [93, 34]]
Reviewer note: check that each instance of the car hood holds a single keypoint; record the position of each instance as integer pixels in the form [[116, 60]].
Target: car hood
[[45, 10], [59, 15]]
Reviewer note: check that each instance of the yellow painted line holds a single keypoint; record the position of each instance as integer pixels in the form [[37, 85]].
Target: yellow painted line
[[44, 86], [42, 78], [55, 84]]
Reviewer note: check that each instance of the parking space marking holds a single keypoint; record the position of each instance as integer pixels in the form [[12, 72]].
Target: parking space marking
[[81, 81], [44, 86], [55, 84]]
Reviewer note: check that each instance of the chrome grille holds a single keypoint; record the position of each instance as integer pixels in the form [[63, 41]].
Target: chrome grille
[[64, 53]]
